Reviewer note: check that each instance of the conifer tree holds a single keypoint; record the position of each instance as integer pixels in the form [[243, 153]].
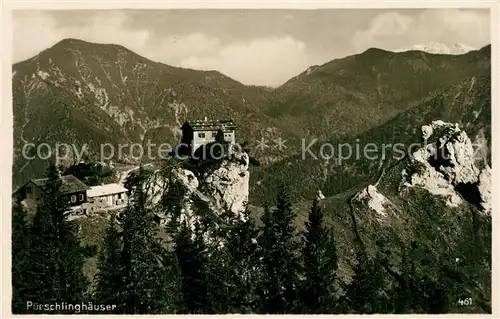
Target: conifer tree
[[56, 257], [405, 295], [20, 261], [366, 294], [320, 264], [217, 268], [190, 251], [150, 274], [224, 285], [109, 277], [244, 253], [280, 262]]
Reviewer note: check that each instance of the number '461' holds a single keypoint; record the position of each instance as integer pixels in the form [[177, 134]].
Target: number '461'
[[465, 302]]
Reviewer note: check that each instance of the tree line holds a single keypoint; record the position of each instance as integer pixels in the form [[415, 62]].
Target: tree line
[[268, 269]]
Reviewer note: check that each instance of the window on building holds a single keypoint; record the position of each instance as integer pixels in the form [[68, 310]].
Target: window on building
[[73, 198], [81, 197], [201, 135]]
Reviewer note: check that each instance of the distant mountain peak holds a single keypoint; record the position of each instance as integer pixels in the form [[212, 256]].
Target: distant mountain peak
[[71, 41], [374, 50], [75, 41], [439, 48]]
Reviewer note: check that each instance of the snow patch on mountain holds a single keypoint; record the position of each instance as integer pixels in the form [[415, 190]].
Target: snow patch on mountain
[[439, 48]]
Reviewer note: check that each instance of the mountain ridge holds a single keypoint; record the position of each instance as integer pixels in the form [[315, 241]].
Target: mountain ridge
[[467, 103], [105, 93]]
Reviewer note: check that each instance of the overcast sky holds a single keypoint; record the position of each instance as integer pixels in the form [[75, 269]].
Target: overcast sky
[[263, 47]]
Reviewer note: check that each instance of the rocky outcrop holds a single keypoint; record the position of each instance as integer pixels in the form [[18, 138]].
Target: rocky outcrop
[[227, 186], [155, 188], [223, 187], [374, 199], [320, 195], [484, 187], [447, 167]]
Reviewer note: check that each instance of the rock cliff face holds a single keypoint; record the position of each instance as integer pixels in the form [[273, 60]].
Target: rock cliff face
[[447, 167], [221, 188], [484, 187], [374, 199], [227, 186], [442, 190]]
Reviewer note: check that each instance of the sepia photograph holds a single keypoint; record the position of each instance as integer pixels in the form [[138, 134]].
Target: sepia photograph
[[251, 161]]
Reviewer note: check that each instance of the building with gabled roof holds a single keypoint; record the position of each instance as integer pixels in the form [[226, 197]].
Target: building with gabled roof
[[196, 133], [107, 196], [71, 188], [81, 198], [70, 184]]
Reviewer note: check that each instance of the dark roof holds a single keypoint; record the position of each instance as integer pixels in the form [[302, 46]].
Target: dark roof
[[210, 125], [70, 184]]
